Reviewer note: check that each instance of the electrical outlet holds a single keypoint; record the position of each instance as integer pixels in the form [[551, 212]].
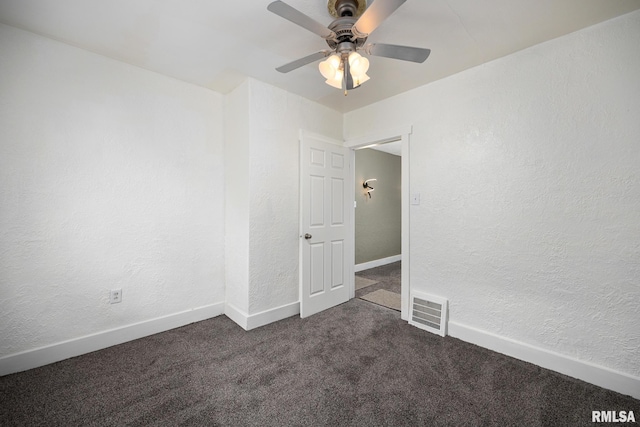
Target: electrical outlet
[[115, 296]]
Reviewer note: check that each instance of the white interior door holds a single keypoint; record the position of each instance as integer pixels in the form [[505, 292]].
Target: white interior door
[[324, 225]]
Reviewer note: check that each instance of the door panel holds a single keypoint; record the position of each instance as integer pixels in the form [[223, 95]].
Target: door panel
[[317, 203], [337, 261], [337, 201], [324, 201], [317, 268]]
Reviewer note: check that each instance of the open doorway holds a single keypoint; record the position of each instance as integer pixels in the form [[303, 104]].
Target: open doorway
[[378, 224], [400, 134]]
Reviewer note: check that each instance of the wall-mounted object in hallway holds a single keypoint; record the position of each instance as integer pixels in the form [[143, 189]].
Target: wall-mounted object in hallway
[[368, 187]]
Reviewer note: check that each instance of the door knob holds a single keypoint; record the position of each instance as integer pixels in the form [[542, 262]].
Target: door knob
[[307, 236]]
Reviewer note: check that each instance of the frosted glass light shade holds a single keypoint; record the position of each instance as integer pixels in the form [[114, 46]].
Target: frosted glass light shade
[[354, 57], [329, 66], [334, 60], [357, 81], [337, 80], [327, 71], [359, 65]]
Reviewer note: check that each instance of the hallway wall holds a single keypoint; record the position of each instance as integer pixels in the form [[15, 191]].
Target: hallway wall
[[378, 221]]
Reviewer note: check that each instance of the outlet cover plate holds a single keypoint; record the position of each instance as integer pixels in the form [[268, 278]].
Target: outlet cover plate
[[115, 296]]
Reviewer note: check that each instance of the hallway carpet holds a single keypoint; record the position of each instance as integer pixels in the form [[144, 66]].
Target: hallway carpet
[[356, 364], [384, 285]]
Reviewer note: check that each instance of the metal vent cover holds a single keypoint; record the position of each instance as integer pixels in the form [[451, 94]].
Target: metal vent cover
[[429, 312]]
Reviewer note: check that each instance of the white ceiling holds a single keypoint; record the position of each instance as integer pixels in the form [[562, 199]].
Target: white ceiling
[[215, 44]]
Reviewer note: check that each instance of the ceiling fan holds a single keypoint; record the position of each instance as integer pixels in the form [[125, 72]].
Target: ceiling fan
[[345, 68]]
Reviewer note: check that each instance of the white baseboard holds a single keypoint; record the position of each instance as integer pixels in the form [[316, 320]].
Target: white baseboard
[[582, 370], [248, 322], [237, 315], [377, 263], [273, 315], [75, 347]]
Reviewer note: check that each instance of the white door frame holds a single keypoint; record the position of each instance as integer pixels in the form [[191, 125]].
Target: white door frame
[[390, 135]]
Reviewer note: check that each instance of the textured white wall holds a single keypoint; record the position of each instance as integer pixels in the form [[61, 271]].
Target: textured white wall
[[275, 121], [528, 168], [110, 177], [237, 191]]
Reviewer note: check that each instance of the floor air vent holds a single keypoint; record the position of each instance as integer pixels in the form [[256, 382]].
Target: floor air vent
[[429, 312]]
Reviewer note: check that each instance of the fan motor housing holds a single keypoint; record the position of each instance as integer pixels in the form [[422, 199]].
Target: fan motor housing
[[342, 27]]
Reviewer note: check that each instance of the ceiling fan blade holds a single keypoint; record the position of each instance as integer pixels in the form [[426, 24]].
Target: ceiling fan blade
[[374, 15], [287, 12], [303, 61], [405, 53]]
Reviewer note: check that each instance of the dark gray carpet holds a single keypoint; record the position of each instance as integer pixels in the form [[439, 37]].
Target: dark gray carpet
[[356, 364]]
